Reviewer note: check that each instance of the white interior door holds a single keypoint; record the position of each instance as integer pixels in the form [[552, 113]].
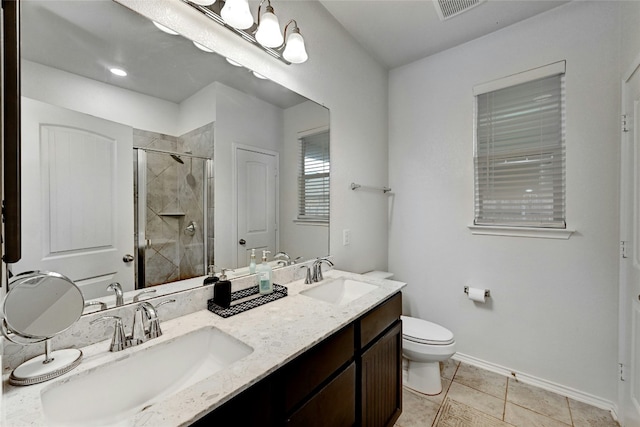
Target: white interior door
[[630, 260], [257, 203], [77, 197]]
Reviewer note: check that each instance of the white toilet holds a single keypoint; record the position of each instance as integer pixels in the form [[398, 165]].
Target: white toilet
[[424, 346]]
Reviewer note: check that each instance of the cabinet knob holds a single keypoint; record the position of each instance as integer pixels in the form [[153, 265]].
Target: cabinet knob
[[242, 242]]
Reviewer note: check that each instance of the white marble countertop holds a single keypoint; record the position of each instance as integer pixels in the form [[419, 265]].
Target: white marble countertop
[[278, 332]]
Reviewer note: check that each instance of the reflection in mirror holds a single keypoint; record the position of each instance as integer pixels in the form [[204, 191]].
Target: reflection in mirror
[[121, 181], [39, 306]]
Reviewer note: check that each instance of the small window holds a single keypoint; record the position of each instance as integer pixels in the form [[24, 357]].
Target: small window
[[520, 150], [313, 200]]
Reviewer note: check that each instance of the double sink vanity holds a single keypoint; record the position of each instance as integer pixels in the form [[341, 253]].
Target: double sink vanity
[[327, 354]]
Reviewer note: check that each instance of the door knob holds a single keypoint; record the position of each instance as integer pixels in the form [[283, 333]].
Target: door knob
[[128, 258], [242, 242]]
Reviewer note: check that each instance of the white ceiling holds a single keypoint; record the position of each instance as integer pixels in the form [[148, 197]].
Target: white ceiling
[[397, 32]]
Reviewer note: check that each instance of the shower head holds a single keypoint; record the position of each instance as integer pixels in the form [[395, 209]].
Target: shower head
[[177, 159]]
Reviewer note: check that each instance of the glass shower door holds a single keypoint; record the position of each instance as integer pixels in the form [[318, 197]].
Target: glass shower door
[[172, 217]]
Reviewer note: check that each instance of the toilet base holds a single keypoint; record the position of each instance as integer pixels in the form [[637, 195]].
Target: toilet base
[[423, 377]]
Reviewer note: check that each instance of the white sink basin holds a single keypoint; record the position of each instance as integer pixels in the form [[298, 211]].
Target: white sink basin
[[339, 291], [110, 394]]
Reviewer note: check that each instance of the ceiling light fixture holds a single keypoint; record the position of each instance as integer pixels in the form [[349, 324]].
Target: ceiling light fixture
[[236, 16], [118, 72], [234, 63], [258, 75]]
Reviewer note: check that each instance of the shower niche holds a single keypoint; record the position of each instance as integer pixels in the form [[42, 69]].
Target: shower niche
[[173, 200]]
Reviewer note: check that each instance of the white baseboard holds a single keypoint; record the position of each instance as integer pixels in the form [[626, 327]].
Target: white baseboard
[[541, 383]]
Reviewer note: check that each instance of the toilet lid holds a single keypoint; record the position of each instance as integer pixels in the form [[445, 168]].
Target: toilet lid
[[424, 332]]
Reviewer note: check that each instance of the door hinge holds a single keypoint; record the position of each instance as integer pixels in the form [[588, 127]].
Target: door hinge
[[624, 123], [622, 371], [623, 249]]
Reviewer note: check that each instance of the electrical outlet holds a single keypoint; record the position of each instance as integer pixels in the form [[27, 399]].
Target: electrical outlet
[[346, 237]]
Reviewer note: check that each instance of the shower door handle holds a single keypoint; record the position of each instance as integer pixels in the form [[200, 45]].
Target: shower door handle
[[242, 242], [128, 258]]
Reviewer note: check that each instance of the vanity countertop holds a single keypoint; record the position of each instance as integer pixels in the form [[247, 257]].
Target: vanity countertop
[[277, 332]]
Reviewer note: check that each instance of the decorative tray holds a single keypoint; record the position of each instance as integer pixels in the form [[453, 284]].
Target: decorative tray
[[247, 303]]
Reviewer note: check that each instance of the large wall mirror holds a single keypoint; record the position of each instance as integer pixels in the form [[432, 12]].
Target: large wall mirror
[[146, 178]]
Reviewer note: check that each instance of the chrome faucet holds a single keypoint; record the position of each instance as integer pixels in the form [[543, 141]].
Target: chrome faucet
[[307, 279], [285, 256], [115, 286], [140, 295], [119, 341], [139, 333], [317, 268]]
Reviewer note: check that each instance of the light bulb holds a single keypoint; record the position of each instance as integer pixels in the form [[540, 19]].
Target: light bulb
[[295, 51], [268, 33], [258, 75], [237, 14], [234, 63], [203, 2]]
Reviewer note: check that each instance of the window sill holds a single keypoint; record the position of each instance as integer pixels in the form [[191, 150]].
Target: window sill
[[542, 233], [311, 222]]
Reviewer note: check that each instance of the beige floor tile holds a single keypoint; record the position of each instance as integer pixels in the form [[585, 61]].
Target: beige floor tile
[[541, 401], [483, 402], [522, 417], [456, 414], [588, 416], [482, 380], [416, 411], [448, 368], [438, 398]]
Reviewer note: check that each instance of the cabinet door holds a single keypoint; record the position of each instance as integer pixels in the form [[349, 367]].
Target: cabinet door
[[334, 405], [381, 380]]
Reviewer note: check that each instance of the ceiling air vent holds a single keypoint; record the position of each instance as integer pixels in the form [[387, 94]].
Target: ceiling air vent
[[449, 8]]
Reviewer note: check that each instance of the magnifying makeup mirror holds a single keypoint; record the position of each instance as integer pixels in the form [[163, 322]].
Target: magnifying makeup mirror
[[39, 306]]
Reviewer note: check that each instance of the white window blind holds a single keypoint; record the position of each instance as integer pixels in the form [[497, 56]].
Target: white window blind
[[313, 198], [520, 155]]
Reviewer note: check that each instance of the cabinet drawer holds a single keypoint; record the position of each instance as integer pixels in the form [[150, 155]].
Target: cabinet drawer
[[311, 369], [334, 405], [379, 319]]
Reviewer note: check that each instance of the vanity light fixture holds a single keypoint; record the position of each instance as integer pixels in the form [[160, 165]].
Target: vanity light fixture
[[258, 75], [235, 15], [204, 2], [294, 50], [202, 47], [268, 33], [165, 29], [234, 63]]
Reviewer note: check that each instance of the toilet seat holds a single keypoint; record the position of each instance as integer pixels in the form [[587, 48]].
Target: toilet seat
[[424, 332]]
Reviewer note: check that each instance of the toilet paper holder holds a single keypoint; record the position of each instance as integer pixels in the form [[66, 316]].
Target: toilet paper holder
[[487, 292]]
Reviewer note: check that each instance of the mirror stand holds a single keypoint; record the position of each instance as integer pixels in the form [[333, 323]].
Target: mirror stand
[[60, 306], [45, 367]]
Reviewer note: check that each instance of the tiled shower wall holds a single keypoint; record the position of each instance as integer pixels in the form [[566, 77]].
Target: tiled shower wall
[[174, 201]]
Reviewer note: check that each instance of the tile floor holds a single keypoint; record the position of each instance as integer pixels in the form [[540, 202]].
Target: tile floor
[[503, 398]]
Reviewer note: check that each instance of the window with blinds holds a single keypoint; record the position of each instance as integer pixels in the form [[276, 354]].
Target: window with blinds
[[314, 165], [520, 151]]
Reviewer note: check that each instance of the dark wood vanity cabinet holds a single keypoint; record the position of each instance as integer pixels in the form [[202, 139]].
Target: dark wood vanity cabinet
[[352, 378]]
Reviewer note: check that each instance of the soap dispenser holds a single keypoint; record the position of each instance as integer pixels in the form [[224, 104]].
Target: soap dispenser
[[222, 291], [265, 286], [211, 278], [252, 263]]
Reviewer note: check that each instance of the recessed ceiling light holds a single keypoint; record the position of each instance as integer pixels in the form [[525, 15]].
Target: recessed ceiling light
[[165, 29], [258, 75], [118, 72], [234, 63], [202, 47]]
